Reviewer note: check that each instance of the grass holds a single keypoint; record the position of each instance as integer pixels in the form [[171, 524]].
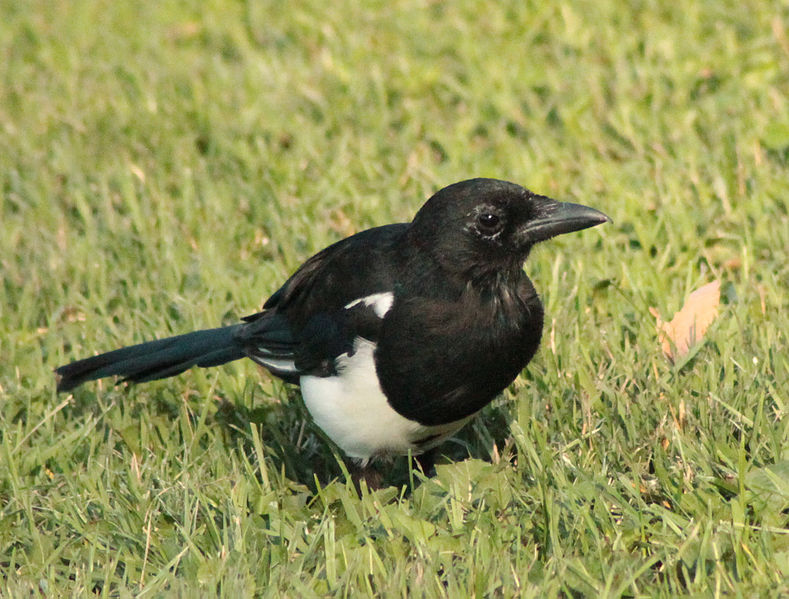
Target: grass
[[164, 167]]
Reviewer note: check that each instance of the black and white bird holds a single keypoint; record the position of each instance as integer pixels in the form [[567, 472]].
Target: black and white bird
[[397, 335]]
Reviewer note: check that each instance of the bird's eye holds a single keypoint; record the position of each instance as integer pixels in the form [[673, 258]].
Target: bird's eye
[[488, 222]]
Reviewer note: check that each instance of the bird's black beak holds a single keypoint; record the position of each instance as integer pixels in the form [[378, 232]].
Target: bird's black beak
[[554, 218]]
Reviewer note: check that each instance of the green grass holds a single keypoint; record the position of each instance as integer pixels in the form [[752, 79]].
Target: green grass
[[165, 165]]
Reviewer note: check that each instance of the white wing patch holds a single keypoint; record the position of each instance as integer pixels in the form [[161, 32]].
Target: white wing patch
[[381, 303], [352, 409]]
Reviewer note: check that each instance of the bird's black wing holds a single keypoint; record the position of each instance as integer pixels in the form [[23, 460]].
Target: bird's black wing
[[352, 268], [318, 313]]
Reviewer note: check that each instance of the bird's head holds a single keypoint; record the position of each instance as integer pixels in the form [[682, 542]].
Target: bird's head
[[488, 226]]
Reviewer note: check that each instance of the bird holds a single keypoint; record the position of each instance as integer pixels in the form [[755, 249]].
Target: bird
[[397, 335]]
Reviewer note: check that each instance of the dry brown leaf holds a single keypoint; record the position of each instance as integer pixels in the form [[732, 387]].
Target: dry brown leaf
[[689, 324]]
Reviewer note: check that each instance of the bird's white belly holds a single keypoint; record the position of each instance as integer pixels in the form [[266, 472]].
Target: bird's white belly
[[353, 411]]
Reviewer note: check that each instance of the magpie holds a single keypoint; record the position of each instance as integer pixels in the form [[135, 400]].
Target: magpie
[[397, 335]]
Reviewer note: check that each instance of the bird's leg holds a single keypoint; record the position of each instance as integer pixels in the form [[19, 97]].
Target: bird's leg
[[361, 471], [426, 462]]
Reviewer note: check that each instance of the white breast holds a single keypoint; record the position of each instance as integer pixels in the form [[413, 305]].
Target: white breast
[[353, 411]]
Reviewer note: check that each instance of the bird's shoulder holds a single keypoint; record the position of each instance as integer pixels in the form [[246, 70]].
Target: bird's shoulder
[[353, 268]]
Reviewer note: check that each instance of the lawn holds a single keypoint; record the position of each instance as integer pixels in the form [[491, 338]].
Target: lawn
[[164, 166]]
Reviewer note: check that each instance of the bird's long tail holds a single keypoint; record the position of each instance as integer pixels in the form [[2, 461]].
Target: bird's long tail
[[156, 359]]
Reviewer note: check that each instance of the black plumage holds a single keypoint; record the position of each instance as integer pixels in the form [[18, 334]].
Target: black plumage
[[397, 334]]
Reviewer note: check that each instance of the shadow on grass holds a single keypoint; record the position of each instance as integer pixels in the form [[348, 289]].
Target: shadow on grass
[[296, 447], [293, 446]]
